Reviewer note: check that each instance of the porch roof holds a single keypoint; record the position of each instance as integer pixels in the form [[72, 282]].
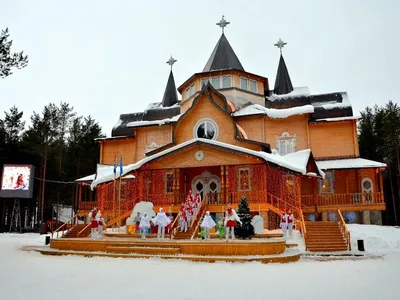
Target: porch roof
[[296, 163], [349, 163]]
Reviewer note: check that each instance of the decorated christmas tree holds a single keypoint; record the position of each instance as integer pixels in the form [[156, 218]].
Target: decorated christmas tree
[[246, 230]]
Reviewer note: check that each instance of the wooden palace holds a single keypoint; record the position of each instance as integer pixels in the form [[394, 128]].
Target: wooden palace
[[230, 134]]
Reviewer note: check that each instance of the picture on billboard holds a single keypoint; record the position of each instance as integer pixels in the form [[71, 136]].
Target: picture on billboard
[[16, 178]]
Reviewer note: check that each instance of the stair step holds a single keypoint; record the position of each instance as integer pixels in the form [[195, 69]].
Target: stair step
[[143, 250]]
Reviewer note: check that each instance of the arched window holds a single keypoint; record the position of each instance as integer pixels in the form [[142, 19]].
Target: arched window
[[206, 129]]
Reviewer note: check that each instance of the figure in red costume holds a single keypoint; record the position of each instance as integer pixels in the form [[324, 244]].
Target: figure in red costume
[[230, 222], [290, 223], [284, 223], [93, 223], [101, 223]]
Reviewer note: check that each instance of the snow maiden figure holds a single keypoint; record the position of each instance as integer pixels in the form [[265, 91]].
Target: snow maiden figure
[[230, 222], [207, 224], [144, 225], [161, 220]]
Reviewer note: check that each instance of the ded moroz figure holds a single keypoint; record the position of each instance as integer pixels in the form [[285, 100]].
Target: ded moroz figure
[[101, 224], [290, 223], [283, 225], [93, 223]]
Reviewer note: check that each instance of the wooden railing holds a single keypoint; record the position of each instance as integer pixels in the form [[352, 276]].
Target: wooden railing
[[303, 228], [200, 213], [344, 229], [175, 225], [343, 199], [66, 226], [83, 230]]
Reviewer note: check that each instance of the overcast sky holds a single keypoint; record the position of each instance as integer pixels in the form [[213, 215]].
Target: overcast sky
[[108, 57]]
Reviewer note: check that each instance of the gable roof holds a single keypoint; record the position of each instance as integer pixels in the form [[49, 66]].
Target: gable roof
[[170, 95], [223, 57], [225, 109], [283, 84], [294, 164]]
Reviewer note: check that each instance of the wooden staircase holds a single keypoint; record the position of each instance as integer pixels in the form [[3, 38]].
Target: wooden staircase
[[325, 236], [74, 231]]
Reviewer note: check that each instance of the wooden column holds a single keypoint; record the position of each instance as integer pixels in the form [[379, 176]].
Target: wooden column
[[177, 187], [381, 185], [226, 184], [348, 197], [222, 194], [80, 196]]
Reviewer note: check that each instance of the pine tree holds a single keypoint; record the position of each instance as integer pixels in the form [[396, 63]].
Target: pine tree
[[9, 60], [246, 230]]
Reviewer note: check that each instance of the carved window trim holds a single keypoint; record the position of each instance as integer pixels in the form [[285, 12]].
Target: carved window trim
[[169, 183], [286, 143], [240, 187]]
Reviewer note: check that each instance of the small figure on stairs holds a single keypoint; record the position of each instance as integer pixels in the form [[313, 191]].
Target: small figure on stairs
[[161, 220], [283, 225], [290, 223], [144, 225], [207, 224], [230, 222], [93, 223], [183, 222]]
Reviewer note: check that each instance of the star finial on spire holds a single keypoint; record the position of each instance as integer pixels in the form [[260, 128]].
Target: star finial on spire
[[223, 23], [280, 44], [171, 61]]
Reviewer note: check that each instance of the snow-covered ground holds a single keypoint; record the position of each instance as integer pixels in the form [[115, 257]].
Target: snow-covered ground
[[30, 275]]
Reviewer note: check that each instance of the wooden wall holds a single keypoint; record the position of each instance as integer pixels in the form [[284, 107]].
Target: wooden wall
[[333, 139], [145, 136], [112, 148]]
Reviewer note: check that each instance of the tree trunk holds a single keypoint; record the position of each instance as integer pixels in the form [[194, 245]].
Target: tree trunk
[[393, 199]]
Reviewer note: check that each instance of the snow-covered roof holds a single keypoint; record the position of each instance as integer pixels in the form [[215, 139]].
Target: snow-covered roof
[[295, 163], [301, 158], [256, 109], [158, 105], [86, 178], [297, 92], [349, 163], [155, 122], [338, 119], [112, 138]]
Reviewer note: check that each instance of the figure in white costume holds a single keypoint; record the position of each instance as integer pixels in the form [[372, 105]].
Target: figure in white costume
[[290, 223], [284, 222], [162, 221], [144, 225], [207, 224], [230, 222], [101, 224]]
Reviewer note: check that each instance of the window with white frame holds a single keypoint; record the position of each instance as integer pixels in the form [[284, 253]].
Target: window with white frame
[[169, 183], [206, 129], [244, 179], [215, 81], [189, 92], [286, 143], [253, 86], [243, 83], [227, 82]]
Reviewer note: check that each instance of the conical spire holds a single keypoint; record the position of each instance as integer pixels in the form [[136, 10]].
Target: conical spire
[[170, 94], [283, 84], [223, 57]]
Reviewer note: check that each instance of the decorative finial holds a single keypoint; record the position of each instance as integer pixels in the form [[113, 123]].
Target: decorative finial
[[223, 23], [280, 44], [171, 61]]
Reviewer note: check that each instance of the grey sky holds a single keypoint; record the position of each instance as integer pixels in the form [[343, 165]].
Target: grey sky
[[108, 57]]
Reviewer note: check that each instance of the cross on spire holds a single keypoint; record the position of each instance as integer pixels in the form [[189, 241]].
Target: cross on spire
[[223, 23], [280, 44], [171, 61]]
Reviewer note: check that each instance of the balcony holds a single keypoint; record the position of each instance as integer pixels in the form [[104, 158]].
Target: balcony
[[345, 202]]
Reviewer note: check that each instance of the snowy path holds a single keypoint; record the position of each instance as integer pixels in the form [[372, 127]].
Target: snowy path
[[29, 275]]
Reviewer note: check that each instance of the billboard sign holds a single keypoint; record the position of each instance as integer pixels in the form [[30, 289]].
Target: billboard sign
[[17, 181]]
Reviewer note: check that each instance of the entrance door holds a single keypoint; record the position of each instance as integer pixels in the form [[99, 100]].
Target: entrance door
[[367, 190], [208, 184]]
